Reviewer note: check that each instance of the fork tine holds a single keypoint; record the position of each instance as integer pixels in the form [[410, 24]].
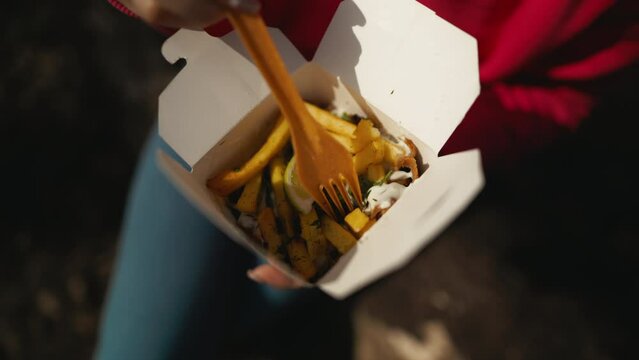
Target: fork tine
[[342, 190], [353, 183], [330, 190]]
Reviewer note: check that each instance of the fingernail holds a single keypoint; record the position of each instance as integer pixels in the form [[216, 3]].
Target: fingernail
[[254, 276], [249, 6]]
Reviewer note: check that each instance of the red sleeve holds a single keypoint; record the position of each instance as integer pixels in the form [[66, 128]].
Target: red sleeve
[[123, 9], [507, 132], [528, 101], [543, 63]]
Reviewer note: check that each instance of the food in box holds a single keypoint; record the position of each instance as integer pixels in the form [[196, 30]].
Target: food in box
[[271, 205], [410, 72]]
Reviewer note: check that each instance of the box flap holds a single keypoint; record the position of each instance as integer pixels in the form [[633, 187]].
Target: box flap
[[404, 55], [214, 91], [413, 222]]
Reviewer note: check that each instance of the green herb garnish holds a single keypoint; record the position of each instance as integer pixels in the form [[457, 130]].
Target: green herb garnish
[[383, 180]]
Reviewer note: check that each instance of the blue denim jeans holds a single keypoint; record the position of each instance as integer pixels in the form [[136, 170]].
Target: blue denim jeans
[[179, 287]]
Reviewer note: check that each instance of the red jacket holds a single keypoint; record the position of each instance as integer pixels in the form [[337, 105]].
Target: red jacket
[[543, 63]]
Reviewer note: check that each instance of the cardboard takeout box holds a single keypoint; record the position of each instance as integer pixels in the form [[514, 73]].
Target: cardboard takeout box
[[410, 71]]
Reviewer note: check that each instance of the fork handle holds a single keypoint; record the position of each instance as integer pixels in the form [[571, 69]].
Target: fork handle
[[256, 39]]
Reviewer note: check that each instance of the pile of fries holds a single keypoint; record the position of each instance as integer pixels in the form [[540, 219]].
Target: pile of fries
[[265, 198]]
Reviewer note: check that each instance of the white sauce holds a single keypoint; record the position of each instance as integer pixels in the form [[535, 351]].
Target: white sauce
[[403, 145], [249, 223], [382, 196], [246, 221], [338, 111], [400, 175], [306, 205], [400, 143]]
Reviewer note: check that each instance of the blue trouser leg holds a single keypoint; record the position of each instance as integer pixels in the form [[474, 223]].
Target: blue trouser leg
[[179, 285]]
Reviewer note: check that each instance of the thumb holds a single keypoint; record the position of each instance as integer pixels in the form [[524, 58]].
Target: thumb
[[267, 274]]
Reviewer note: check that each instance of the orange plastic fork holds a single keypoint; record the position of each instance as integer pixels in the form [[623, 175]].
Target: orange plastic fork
[[324, 166]]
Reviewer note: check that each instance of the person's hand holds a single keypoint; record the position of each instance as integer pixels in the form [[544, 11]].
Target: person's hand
[[190, 14], [267, 274]]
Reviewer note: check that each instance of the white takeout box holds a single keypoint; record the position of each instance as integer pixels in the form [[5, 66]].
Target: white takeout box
[[396, 61]]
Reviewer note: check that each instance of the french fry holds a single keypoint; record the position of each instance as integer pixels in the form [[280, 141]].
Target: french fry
[[284, 209], [312, 234], [392, 153], [331, 122], [358, 222], [300, 259], [268, 229], [247, 203], [341, 238], [375, 172], [306, 241], [365, 133], [346, 141], [373, 153], [230, 180]]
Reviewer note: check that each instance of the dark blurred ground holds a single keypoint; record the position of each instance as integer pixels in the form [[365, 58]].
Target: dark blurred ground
[[78, 91], [541, 266]]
